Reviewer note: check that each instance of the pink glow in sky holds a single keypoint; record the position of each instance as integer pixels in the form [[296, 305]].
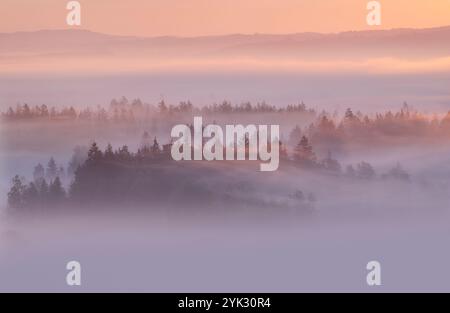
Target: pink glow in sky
[[215, 17]]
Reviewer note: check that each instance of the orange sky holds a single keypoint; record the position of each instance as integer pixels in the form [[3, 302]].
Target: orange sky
[[212, 17]]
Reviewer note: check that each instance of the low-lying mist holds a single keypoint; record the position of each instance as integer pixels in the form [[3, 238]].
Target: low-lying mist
[[350, 189]]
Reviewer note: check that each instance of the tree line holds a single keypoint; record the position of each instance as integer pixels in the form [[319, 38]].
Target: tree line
[[124, 110], [105, 170]]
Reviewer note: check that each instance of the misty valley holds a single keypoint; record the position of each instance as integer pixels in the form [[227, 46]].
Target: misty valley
[[331, 163], [100, 185], [224, 147]]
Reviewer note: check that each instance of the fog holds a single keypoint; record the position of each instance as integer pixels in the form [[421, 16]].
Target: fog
[[237, 245], [153, 255], [87, 173], [367, 92]]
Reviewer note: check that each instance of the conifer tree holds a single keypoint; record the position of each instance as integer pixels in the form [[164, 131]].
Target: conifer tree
[[155, 148], [38, 173], [109, 153], [52, 169], [56, 191], [16, 193], [31, 195], [94, 153], [304, 154]]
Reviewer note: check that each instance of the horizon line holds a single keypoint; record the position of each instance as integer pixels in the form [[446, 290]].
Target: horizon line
[[224, 35]]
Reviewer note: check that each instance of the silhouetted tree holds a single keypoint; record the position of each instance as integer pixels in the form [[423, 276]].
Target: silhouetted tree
[[326, 125], [52, 169], [155, 149], [80, 154], [331, 164], [304, 154], [445, 123], [31, 195], [26, 112], [38, 173], [298, 195], [109, 153], [16, 193], [349, 114], [61, 173], [145, 141], [43, 190], [94, 153], [283, 151], [123, 153], [365, 171], [295, 135], [44, 111], [162, 107], [56, 191], [10, 113], [397, 173]]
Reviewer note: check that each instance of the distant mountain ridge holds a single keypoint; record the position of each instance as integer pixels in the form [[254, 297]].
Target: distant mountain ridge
[[395, 43]]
